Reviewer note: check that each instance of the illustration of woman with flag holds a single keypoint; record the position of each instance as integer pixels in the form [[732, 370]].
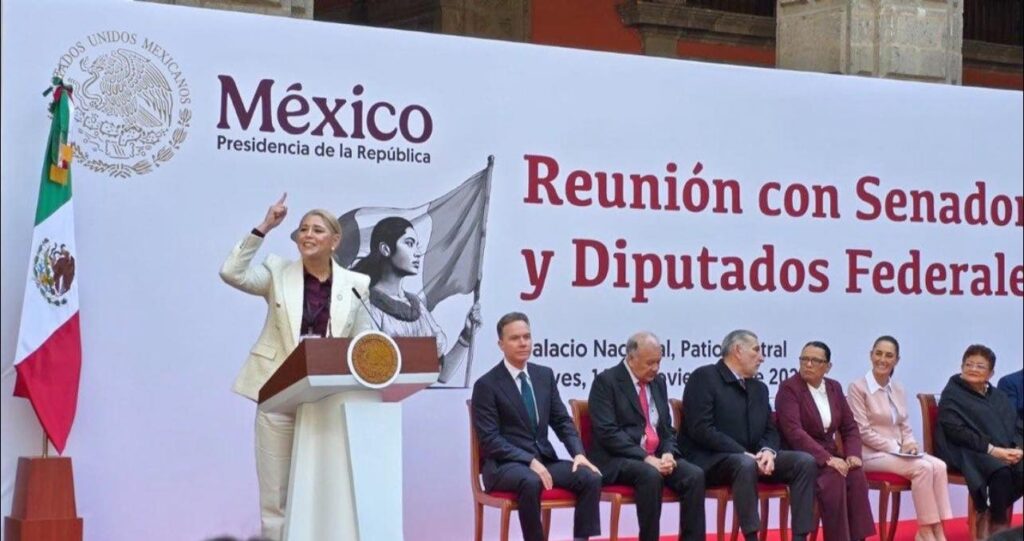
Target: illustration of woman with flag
[[395, 253]]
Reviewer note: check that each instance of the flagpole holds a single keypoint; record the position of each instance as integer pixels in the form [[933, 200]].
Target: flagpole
[[49, 346], [480, 268]]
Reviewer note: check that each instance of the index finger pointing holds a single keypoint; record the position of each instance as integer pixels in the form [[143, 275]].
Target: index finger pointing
[[281, 201]]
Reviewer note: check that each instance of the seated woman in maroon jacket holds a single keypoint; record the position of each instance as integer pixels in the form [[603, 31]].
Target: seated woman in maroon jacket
[[811, 411]]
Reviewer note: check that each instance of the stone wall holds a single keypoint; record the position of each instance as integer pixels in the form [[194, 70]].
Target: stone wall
[[895, 39], [299, 9]]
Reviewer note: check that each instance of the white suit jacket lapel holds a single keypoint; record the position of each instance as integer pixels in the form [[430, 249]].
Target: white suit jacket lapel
[[294, 291]]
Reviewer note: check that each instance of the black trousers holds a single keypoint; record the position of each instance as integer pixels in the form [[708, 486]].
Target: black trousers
[[686, 480], [794, 468], [1005, 486], [519, 478]]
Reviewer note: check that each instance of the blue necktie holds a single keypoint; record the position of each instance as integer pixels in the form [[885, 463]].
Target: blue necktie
[[528, 401]]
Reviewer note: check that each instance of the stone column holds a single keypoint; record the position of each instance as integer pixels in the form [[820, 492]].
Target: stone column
[[893, 39], [659, 43]]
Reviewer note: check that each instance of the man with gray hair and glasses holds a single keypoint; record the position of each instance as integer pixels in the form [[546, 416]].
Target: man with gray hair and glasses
[[634, 443], [728, 431]]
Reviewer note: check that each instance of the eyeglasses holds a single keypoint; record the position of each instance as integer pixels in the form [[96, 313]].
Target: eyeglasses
[[813, 360], [978, 367]]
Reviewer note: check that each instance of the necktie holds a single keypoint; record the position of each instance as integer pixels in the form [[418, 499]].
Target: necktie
[[651, 440], [528, 401]]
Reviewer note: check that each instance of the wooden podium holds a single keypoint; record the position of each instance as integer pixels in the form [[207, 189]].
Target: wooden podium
[[44, 502], [346, 471]]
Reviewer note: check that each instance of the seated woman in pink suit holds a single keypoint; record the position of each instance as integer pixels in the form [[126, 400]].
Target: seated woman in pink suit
[[811, 411], [880, 406]]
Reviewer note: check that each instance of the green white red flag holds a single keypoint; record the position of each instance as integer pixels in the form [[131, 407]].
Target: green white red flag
[[48, 359]]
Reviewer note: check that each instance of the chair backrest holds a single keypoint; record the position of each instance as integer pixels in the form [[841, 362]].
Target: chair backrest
[[676, 406], [475, 456], [581, 418], [929, 417]]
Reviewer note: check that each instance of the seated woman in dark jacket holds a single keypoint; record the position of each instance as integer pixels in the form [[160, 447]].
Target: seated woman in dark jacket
[[979, 434], [811, 412]]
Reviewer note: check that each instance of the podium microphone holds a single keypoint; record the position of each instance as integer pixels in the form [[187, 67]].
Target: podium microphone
[[368, 312]]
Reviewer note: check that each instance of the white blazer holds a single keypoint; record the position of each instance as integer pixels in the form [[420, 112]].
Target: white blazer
[[280, 282]]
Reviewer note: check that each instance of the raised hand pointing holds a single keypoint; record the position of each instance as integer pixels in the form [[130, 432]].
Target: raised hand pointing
[[275, 215]]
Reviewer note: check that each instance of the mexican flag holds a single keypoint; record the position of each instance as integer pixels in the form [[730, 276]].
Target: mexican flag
[[49, 353]]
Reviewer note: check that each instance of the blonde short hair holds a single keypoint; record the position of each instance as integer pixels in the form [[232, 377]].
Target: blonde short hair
[[329, 219]]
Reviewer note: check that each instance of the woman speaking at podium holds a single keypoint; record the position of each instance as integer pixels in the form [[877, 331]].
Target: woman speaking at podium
[[309, 297]]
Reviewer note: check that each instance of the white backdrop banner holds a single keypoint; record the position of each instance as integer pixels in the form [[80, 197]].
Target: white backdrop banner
[[625, 193]]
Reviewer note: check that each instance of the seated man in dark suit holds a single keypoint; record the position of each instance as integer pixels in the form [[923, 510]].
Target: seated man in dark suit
[[513, 405], [634, 443], [1013, 386], [728, 431]]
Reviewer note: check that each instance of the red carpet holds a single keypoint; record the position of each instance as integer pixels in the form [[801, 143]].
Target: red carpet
[[956, 530]]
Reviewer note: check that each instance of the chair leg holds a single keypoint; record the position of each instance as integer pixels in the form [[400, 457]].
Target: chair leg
[[894, 520], [720, 530], [478, 516], [545, 520], [506, 514], [613, 522], [784, 518], [883, 512], [762, 534]]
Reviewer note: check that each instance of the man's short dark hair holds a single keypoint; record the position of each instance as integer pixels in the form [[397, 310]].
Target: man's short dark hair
[[511, 317]]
